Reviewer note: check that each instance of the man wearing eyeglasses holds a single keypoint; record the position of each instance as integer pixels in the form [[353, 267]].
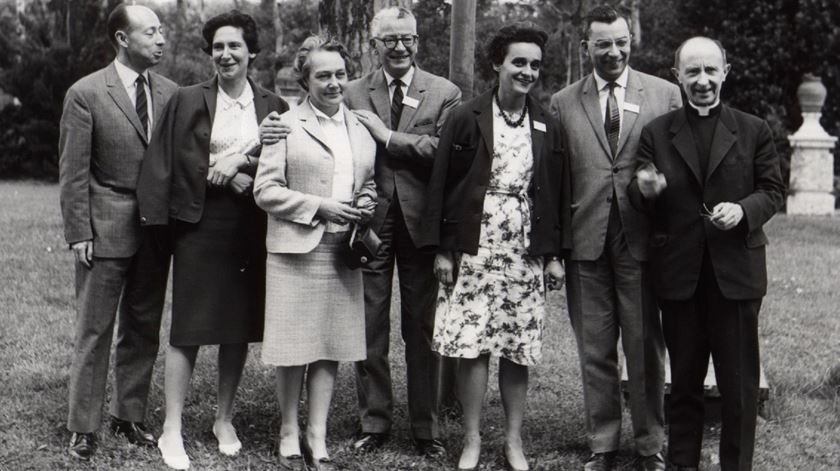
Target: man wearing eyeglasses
[[609, 290], [709, 175], [404, 109]]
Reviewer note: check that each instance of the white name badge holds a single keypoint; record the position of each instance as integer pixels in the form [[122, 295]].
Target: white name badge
[[631, 107], [539, 126], [412, 102]]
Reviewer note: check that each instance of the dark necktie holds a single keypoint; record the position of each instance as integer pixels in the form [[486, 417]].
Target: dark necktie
[[612, 119], [141, 103], [396, 104]]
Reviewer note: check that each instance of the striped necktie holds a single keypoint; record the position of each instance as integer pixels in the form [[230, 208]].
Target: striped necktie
[[141, 103], [612, 119], [396, 104]]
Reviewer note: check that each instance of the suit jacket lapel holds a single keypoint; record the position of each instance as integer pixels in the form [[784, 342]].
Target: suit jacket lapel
[[723, 141], [484, 116], [592, 107], [417, 90], [116, 90], [210, 90], [536, 136], [633, 94], [356, 132], [309, 123], [260, 101], [157, 102], [683, 141], [379, 96]]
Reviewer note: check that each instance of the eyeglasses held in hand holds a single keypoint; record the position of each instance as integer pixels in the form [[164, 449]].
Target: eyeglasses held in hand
[[391, 41], [705, 212]]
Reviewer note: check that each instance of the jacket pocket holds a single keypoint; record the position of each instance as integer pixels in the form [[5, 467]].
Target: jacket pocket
[[756, 239]]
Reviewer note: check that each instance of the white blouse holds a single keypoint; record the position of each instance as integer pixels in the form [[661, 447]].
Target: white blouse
[[235, 127], [338, 141]]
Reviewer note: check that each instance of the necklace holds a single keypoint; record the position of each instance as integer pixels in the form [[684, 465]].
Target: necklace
[[509, 121]]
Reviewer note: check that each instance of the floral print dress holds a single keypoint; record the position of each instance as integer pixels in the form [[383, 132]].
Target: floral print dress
[[497, 304]]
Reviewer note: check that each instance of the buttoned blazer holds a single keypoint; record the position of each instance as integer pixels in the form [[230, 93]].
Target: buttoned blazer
[[173, 177], [296, 173], [595, 177], [461, 173], [406, 165], [743, 168], [100, 148]]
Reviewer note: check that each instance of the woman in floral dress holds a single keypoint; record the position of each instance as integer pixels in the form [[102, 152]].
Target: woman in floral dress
[[493, 217]]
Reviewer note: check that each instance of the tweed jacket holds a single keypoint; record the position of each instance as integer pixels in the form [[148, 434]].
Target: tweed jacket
[[173, 178], [100, 148], [595, 177], [405, 166], [455, 203], [743, 168], [296, 173]]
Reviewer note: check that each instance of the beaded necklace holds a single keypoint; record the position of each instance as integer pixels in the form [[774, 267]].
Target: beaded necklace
[[509, 121]]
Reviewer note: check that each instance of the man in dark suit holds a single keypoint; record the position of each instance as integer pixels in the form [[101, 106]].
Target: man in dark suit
[[105, 128], [608, 281], [709, 176], [404, 109]]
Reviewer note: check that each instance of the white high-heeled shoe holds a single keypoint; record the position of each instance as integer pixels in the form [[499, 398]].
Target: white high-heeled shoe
[[228, 449], [174, 461]]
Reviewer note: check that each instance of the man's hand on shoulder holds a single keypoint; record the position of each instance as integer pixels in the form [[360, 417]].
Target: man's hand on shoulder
[[374, 125], [272, 129]]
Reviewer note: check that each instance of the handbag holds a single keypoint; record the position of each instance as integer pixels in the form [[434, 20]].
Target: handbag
[[363, 247]]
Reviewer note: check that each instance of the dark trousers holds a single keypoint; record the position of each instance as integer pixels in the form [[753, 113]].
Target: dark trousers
[[728, 329], [138, 286], [607, 298], [418, 294]]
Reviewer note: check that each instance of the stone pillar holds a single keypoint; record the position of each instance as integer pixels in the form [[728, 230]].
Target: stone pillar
[[812, 163]]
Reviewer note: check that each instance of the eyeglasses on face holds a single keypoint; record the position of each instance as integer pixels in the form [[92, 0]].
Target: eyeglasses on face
[[391, 41], [604, 44]]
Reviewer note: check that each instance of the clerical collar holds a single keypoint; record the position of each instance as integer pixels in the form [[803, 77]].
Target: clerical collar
[[712, 109]]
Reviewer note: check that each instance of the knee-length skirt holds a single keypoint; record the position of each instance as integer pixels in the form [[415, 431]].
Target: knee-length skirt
[[314, 306]]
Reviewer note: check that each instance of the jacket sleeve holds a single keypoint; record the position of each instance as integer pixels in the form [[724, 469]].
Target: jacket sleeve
[[767, 198], [154, 184], [74, 149], [422, 147], [644, 157], [430, 231], [272, 192]]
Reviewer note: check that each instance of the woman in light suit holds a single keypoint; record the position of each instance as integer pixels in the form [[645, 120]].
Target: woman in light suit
[[314, 184]]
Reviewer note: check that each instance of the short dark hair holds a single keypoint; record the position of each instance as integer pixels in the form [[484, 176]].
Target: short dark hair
[[237, 19], [604, 14], [679, 49], [516, 33], [118, 20], [317, 43]]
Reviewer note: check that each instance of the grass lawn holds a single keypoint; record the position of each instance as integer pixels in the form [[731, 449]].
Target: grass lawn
[[800, 340]]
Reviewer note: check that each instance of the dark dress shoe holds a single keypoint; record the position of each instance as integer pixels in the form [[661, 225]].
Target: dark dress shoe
[[430, 448], [81, 445], [135, 432], [600, 462], [369, 442], [655, 462]]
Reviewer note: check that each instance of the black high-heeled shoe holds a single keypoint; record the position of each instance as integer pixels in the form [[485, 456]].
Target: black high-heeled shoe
[[313, 464]]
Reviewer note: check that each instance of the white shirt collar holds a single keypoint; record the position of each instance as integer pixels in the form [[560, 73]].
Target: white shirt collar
[[338, 117], [127, 75], [621, 81], [704, 110], [245, 98], [405, 79]]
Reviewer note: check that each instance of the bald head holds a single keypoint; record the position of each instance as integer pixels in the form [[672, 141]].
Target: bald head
[[137, 35], [700, 67]]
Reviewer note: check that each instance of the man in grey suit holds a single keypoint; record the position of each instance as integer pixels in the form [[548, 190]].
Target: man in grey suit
[[105, 127], [404, 109], [609, 290]]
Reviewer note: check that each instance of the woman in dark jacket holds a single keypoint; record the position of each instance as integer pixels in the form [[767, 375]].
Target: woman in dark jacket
[[493, 217], [197, 177]]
